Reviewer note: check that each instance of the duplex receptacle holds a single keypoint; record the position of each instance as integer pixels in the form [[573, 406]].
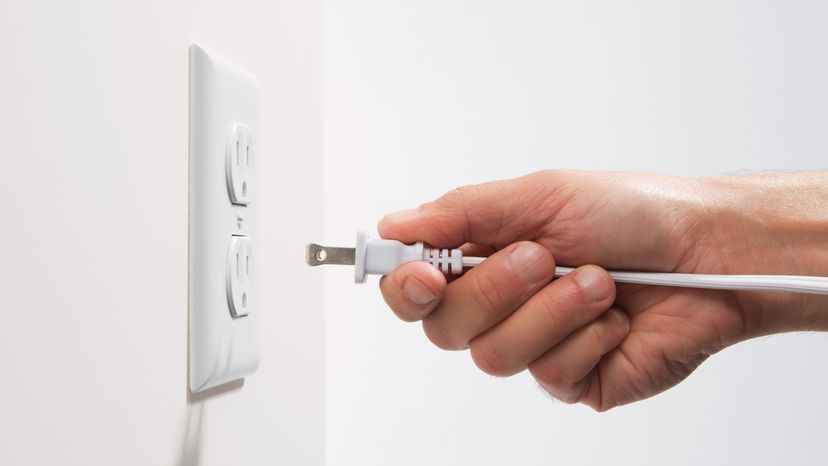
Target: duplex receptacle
[[224, 130], [240, 275], [239, 153]]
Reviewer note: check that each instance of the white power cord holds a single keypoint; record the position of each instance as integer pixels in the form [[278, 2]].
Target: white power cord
[[381, 256]]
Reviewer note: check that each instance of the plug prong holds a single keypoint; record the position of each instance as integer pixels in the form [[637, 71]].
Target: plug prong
[[323, 255]]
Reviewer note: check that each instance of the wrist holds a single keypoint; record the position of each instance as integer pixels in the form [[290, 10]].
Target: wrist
[[772, 224]]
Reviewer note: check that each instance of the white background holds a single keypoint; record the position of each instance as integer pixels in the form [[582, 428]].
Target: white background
[[421, 97], [93, 235]]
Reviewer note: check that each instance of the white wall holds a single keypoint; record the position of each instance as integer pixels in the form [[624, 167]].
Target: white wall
[[424, 96], [93, 240]]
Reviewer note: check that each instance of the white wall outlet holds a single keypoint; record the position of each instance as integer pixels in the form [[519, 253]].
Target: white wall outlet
[[223, 316], [239, 275], [239, 155]]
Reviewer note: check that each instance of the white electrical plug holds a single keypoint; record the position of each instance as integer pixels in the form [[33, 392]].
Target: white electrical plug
[[382, 256]]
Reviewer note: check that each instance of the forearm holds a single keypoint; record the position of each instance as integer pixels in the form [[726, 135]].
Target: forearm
[[773, 224]]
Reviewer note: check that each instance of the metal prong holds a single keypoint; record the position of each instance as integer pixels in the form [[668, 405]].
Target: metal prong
[[321, 255]]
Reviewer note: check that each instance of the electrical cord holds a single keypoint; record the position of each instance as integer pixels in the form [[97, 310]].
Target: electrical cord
[[381, 256]]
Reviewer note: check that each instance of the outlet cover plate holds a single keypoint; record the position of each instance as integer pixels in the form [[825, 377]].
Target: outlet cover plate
[[222, 347]]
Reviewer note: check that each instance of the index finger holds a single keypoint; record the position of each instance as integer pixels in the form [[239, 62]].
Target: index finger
[[496, 213]]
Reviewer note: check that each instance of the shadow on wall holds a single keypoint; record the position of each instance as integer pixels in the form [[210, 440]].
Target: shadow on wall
[[191, 445]]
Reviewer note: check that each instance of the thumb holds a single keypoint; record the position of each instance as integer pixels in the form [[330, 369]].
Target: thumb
[[494, 213]]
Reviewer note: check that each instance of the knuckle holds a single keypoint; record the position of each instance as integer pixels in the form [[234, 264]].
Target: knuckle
[[439, 337], [460, 198], [562, 305], [451, 200], [485, 293], [550, 375], [465, 192], [609, 331], [599, 330], [549, 305], [601, 408], [488, 359]]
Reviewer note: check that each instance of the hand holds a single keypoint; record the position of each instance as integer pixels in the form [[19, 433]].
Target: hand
[[583, 338]]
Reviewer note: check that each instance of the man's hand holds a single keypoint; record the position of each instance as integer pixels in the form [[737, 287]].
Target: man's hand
[[584, 339]]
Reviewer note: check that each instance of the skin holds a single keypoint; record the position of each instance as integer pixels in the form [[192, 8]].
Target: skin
[[584, 338]]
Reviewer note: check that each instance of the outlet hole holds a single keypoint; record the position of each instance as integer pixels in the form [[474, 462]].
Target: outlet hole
[[244, 300], [321, 255], [237, 265], [247, 265], [247, 153], [238, 159], [244, 188]]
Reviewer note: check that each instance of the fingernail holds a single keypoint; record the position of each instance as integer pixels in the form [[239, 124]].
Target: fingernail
[[593, 283], [622, 317], [417, 292], [403, 214], [527, 264]]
